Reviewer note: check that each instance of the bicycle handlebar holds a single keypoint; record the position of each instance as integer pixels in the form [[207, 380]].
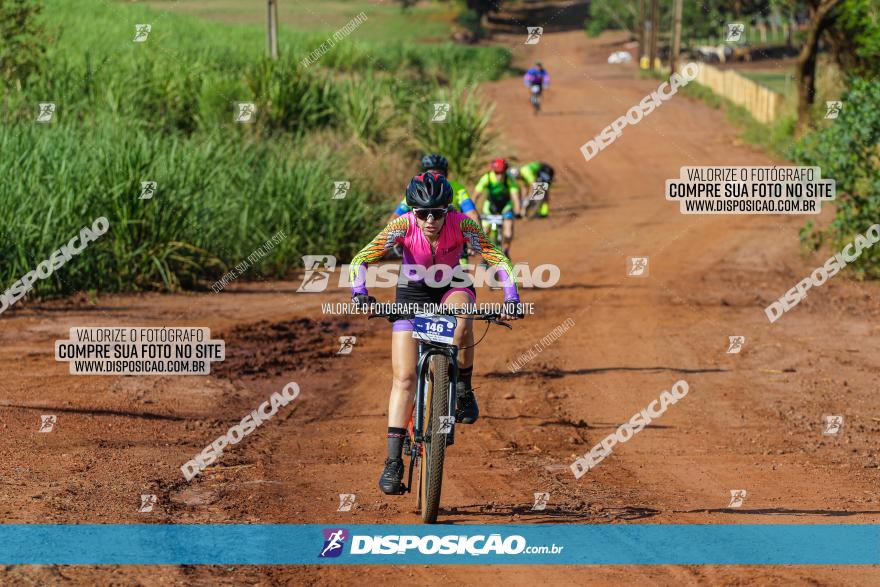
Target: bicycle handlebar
[[490, 317]]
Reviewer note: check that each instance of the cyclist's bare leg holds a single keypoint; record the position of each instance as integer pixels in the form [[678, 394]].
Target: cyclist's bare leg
[[404, 354], [466, 410], [507, 234]]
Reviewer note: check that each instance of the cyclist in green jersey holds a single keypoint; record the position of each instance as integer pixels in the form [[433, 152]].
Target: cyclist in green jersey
[[502, 197], [530, 174]]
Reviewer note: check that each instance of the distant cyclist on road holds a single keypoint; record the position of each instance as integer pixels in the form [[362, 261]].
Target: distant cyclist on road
[[502, 197], [532, 175], [537, 80], [432, 236]]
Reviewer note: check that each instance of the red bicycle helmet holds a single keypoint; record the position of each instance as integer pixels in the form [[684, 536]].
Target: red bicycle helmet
[[499, 165]]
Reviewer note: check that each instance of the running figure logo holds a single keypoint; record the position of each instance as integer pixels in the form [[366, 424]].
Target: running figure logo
[[346, 501], [340, 189], [347, 344], [737, 497], [833, 424], [734, 31], [317, 276], [147, 502], [539, 190], [148, 188], [736, 344], [141, 32], [534, 35], [832, 108], [637, 266], [245, 111], [541, 501], [333, 542], [47, 422], [446, 424], [46, 111], [441, 111]]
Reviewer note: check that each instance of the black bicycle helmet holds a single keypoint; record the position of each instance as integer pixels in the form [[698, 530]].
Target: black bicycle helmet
[[428, 190], [435, 161]]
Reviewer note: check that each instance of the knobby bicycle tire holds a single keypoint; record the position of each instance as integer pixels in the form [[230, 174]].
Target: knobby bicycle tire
[[436, 405]]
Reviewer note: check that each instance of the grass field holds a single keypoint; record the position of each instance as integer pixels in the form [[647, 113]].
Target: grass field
[[428, 22], [780, 81], [163, 110]]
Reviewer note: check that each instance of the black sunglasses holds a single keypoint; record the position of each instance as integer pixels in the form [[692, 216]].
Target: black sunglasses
[[437, 213]]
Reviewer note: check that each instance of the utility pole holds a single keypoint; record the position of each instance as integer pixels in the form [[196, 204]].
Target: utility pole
[[676, 37], [640, 32], [272, 28], [655, 21]]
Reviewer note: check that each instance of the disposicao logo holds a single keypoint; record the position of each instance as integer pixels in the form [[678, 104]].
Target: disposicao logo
[[334, 539]]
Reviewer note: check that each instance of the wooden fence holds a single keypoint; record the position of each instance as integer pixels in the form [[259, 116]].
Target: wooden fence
[[764, 104]]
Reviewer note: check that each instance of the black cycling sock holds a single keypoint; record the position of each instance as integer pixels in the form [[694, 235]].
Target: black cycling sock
[[464, 376], [395, 442]]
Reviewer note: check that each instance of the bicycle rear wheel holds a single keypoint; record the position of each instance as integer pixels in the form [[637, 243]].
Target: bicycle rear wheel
[[434, 445]]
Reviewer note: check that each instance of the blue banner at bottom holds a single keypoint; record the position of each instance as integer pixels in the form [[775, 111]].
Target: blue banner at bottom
[[271, 544]]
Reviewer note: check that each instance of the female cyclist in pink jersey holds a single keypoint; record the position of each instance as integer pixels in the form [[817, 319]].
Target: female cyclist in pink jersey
[[432, 236]]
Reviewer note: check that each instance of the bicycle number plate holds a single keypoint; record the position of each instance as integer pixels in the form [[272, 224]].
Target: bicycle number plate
[[536, 88], [434, 328]]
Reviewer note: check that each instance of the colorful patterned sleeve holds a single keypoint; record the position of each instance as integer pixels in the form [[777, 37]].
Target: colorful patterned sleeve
[[386, 239], [480, 243]]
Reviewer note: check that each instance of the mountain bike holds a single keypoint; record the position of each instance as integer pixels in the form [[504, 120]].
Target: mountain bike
[[432, 424], [535, 97]]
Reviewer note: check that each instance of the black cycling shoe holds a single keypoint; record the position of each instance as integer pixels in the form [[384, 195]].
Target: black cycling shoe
[[466, 409], [391, 481]]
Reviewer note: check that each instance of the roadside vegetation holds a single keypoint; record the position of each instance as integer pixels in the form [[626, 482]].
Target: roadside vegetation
[[847, 71], [164, 110]]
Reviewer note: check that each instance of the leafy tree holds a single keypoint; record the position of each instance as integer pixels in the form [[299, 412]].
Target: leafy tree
[[855, 40], [822, 15], [22, 41], [847, 152]]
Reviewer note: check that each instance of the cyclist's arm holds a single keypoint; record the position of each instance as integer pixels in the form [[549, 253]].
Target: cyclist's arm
[[386, 239], [545, 82], [481, 186], [481, 244]]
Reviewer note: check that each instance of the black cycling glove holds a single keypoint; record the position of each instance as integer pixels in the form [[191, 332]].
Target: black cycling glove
[[513, 308], [362, 300]]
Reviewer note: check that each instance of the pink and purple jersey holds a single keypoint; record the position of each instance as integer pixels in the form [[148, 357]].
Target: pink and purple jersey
[[457, 230]]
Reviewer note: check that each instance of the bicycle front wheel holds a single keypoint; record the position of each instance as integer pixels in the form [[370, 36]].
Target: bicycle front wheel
[[435, 427]]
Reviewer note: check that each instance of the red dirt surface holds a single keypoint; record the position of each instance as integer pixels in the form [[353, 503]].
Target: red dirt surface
[[751, 421]]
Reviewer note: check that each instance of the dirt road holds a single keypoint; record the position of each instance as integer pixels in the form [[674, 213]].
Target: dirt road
[[751, 421]]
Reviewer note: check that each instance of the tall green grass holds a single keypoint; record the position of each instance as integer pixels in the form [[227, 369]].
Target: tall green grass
[[163, 111], [216, 201]]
